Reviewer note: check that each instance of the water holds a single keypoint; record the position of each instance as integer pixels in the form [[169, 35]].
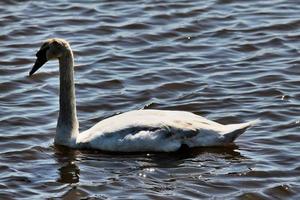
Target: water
[[230, 61]]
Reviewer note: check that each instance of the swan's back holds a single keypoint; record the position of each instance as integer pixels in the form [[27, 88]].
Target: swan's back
[[156, 130]]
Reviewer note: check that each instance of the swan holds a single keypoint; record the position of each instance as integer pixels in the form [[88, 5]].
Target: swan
[[133, 131]]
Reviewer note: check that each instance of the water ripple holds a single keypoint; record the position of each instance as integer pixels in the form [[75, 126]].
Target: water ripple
[[230, 61]]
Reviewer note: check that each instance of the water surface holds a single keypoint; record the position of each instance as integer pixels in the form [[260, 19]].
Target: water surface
[[230, 61]]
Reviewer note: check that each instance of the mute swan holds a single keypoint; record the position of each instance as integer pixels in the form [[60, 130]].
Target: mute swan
[[134, 131]]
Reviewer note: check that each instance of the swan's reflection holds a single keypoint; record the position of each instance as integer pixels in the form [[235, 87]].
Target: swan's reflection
[[174, 159], [69, 172]]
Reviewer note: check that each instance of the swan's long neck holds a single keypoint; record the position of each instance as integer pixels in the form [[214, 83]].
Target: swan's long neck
[[67, 125]]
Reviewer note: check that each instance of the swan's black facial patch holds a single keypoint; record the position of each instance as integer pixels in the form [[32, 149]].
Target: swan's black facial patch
[[42, 52], [40, 60]]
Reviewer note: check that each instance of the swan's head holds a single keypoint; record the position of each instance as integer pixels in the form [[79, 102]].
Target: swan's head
[[50, 49]]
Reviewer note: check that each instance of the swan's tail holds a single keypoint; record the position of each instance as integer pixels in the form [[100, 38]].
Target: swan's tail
[[235, 130]]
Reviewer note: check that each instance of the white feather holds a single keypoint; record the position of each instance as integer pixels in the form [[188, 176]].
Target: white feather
[[156, 130]]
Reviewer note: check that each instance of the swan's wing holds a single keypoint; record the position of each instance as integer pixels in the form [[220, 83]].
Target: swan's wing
[[152, 130]]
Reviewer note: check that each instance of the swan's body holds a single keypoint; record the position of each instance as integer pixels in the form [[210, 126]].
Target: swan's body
[[157, 130], [140, 130]]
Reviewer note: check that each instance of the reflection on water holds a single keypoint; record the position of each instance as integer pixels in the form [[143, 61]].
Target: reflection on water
[[230, 61], [68, 171], [149, 166]]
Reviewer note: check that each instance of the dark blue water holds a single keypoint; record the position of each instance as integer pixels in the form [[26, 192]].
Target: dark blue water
[[230, 61]]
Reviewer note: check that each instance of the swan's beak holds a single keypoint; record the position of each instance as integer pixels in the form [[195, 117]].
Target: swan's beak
[[40, 61]]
